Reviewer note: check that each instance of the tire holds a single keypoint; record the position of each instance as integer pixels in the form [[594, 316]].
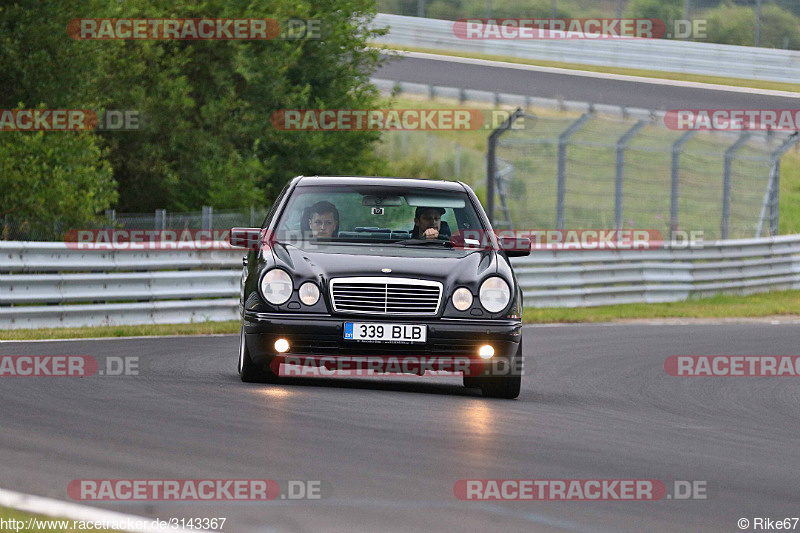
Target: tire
[[506, 387], [249, 372], [472, 382]]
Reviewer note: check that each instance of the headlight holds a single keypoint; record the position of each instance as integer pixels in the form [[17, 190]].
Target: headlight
[[462, 299], [494, 294], [309, 293], [276, 286]]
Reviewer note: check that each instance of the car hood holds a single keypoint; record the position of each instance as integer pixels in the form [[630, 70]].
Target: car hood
[[450, 267]]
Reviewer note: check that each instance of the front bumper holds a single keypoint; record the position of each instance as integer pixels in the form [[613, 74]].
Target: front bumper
[[453, 343]]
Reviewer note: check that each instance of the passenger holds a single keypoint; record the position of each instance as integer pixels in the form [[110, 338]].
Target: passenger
[[323, 220]]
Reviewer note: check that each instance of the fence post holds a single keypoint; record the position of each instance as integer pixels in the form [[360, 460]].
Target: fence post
[[772, 196], [111, 215], [726, 184], [562, 166], [161, 220], [676, 166], [206, 219], [491, 160], [622, 143], [252, 216]]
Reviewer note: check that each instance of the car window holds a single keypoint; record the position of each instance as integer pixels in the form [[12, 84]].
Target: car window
[[373, 213]]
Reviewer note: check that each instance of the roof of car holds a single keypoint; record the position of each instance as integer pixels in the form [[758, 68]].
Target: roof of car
[[441, 185]]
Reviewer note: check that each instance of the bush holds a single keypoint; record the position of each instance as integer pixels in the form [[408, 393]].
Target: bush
[[736, 25], [53, 181]]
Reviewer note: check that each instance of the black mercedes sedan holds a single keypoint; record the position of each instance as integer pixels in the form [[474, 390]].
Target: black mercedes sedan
[[399, 271]]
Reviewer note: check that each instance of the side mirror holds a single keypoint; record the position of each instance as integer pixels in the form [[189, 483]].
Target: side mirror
[[249, 238], [515, 247]]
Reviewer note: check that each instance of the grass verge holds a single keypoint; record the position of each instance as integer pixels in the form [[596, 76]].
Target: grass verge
[[658, 74], [766, 304], [40, 522], [198, 328]]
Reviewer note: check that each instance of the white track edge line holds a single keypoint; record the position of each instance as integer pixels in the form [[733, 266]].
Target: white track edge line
[[58, 508], [121, 338]]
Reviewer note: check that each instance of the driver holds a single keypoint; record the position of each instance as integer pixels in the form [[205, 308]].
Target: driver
[[427, 222], [323, 220]]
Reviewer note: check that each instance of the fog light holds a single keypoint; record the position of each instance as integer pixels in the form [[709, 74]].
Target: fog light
[[486, 351], [282, 345]]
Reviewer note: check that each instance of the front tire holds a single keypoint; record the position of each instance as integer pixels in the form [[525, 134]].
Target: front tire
[[249, 372]]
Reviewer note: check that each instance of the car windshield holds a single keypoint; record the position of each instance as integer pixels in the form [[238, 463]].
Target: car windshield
[[385, 214]]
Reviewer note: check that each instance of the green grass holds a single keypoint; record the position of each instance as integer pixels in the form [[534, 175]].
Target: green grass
[[768, 304], [13, 514], [678, 76], [199, 328], [590, 172]]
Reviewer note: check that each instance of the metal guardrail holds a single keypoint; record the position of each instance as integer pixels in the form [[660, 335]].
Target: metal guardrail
[[47, 284], [648, 54], [577, 278], [39, 285]]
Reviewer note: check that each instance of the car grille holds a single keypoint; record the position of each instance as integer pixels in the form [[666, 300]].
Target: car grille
[[386, 296]]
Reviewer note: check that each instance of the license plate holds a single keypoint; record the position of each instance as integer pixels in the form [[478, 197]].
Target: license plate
[[382, 332]]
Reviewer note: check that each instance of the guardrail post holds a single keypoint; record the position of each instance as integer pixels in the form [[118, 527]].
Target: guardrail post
[[676, 166], [491, 160], [726, 184], [622, 143], [563, 139]]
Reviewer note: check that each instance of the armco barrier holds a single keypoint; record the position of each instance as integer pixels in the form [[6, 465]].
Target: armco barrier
[[576, 278], [49, 285], [649, 54]]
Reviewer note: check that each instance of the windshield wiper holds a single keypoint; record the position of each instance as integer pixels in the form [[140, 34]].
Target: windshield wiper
[[425, 242]]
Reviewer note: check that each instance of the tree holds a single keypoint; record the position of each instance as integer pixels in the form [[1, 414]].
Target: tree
[[665, 10], [52, 181], [734, 25], [207, 136]]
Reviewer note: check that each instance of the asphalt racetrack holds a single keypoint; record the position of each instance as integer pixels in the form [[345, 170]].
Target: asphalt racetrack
[[577, 86], [596, 404]]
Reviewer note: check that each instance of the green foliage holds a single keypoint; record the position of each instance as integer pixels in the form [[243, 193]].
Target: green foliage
[[666, 10], [728, 24], [51, 181], [206, 135]]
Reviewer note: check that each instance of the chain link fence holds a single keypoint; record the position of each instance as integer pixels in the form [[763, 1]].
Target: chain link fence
[[597, 171], [15, 229], [423, 155]]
